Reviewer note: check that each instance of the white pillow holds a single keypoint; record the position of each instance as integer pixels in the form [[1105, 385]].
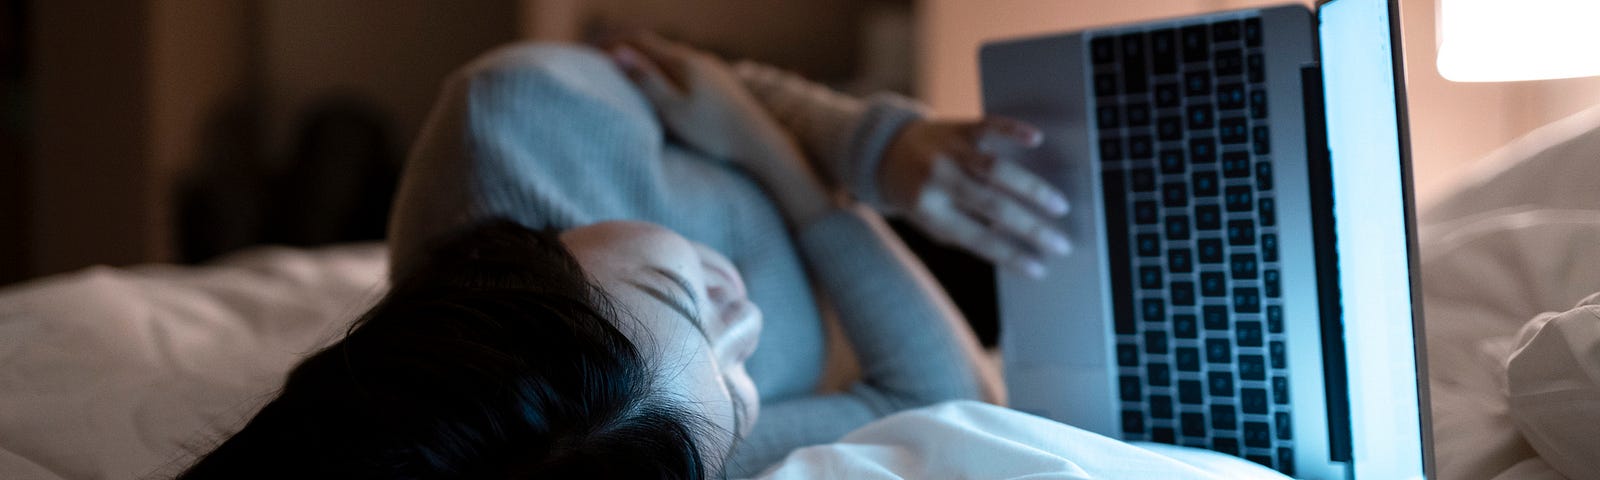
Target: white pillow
[[1553, 380]]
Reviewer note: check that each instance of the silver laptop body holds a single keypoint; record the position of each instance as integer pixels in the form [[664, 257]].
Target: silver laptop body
[[1232, 288]]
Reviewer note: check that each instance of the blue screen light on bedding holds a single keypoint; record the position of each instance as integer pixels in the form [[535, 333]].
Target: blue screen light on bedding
[[1369, 208]]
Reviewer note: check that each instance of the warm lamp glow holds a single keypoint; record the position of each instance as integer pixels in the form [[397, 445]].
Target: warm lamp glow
[[1508, 40]]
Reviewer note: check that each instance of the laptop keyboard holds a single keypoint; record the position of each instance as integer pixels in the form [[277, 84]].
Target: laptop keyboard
[[1183, 123]]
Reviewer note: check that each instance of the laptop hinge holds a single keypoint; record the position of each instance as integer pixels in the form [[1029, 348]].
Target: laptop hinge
[[1327, 258]]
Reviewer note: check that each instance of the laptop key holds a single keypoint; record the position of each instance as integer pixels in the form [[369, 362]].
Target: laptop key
[[1268, 212], [1269, 247], [1103, 50], [1228, 445], [1144, 179], [1212, 284], [1167, 95], [1263, 460], [1110, 149], [1241, 232], [1155, 343], [1160, 406], [1276, 352], [1158, 374], [1138, 114], [1243, 266], [1127, 355], [1261, 140], [1252, 367], [1177, 227], [1154, 310], [1286, 460], [1169, 128], [1179, 260], [1174, 195], [1271, 284], [1238, 198], [1149, 278], [1134, 75], [1235, 164], [1225, 31], [1171, 161], [1232, 130], [1264, 176], [1205, 184], [1164, 51], [1257, 435], [1256, 68], [1224, 417], [1149, 244], [1275, 318], [1194, 424], [1228, 62], [1188, 359], [1285, 428], [1182, 293], [1248, 334], [1258, 104], [1252, 32], [1163, 435], [1200, 117], [1145, 212], [1280, 390], [1105, 84], [1197, 83], [1190, 392], [1132, 421], [1108, 117], [1207, 217], [1218, 350], [1130, 389], [1216, 318], [1140, 148], [1246, 300], [1253, 400], [1196, 43], [1230, 96], [1184, 325], [1210, 250], [1202, 150], [1219, 384]]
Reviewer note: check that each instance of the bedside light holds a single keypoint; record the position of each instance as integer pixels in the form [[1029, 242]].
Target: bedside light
[[1511, 40]]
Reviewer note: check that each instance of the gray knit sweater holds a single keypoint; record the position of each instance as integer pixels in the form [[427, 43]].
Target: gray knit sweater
[[555, 136]]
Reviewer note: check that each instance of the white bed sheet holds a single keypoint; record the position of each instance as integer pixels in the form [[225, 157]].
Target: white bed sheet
[[120, 373]]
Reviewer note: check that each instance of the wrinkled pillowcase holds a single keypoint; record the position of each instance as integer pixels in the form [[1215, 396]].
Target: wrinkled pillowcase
[[1553, 377]]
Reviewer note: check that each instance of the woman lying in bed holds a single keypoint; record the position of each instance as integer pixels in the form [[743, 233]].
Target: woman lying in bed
[[621, 348]]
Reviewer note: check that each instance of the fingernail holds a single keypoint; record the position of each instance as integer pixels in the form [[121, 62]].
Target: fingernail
[[1058, 205], [626, 58], [1058, 244], [1033, 269]]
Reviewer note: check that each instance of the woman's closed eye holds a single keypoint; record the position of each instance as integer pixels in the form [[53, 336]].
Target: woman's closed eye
[[686, 304]]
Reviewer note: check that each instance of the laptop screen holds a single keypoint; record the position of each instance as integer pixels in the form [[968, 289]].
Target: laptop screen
[[1370, 210]]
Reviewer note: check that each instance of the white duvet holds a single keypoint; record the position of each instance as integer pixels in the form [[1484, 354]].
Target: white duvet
[[122, 373]]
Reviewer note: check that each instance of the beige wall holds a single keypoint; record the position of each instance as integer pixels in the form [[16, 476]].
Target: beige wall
[[1452, 124]]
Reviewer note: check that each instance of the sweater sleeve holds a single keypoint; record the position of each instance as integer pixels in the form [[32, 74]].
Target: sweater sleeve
[[914, 347], [845, 135]]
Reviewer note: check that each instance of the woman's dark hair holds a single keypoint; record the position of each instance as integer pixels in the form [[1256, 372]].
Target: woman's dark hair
[[496, 358]]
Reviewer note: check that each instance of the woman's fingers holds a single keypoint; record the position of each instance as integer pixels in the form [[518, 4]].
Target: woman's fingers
[[1005, 214], [991, 129], [940, 217], [1005, 175], [646, 73]]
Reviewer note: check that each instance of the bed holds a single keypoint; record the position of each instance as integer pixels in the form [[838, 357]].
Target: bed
[[125, 372]]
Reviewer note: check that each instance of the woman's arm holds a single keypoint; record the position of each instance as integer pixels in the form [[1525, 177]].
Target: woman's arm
[[913, 346]]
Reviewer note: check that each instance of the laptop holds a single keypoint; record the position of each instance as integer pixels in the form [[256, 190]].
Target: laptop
[[1245, 276]]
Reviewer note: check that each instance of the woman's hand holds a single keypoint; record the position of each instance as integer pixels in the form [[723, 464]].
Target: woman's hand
[[702, 102], [698, 97], [950, 180]]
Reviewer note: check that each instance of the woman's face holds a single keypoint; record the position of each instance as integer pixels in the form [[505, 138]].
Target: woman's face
[[694, 321]]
